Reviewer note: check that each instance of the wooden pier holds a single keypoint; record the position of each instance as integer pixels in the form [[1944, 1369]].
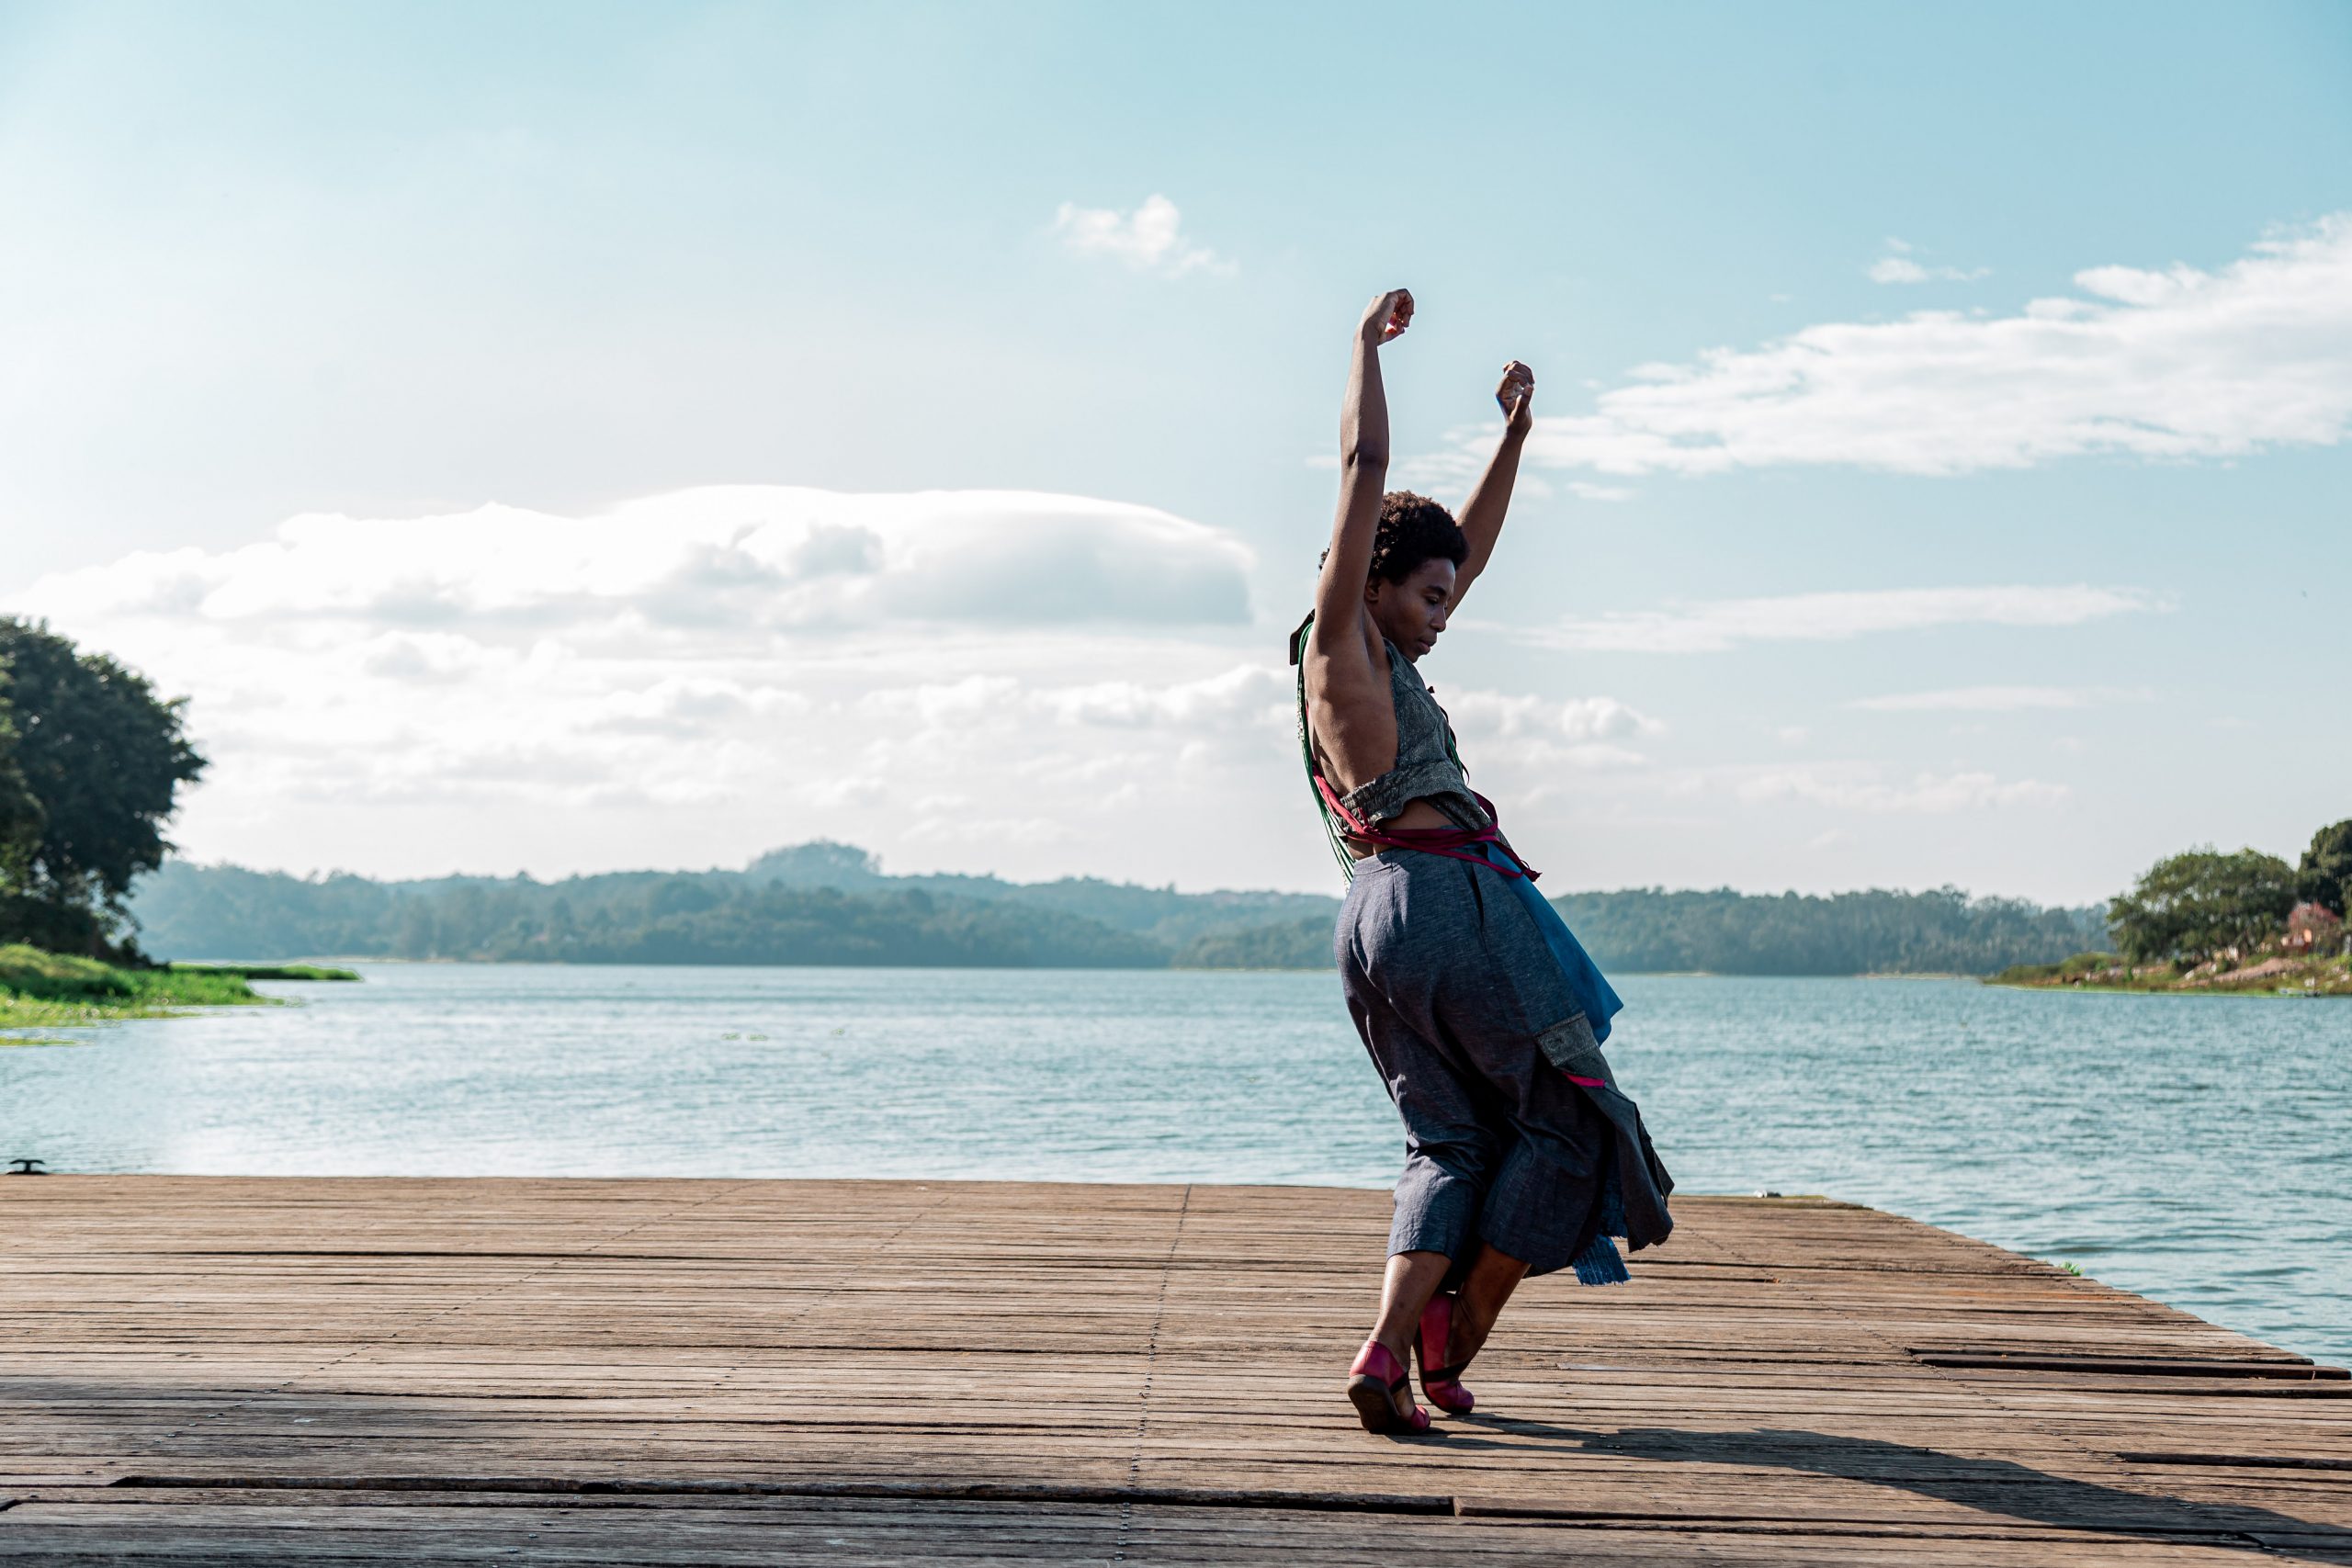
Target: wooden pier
[[206, 1371]]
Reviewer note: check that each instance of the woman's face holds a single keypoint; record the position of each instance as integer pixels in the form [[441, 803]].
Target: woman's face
[[1412, 612]]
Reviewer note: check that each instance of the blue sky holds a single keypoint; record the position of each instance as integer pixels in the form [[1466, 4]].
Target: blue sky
[[1832, 593]]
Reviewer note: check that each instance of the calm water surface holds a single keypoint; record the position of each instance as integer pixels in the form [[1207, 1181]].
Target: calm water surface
[[2196, 1149]]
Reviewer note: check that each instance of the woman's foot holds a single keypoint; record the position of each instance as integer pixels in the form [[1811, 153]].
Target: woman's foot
[[1441, 1375], [1379, 1388]]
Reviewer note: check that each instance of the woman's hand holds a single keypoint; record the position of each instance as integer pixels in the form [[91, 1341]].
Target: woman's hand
[[1387, 316], [1517, 395]]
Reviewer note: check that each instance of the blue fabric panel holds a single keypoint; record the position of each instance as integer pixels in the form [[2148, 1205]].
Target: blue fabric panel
[[1590, 988]]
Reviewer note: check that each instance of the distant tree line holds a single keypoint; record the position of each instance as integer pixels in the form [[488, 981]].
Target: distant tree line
[[829, 904], [820, 903], [1650, 930], [1873, 932]]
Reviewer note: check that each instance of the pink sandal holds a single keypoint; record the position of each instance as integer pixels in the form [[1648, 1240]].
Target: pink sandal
[[1441, 1384], [1373, 1384]]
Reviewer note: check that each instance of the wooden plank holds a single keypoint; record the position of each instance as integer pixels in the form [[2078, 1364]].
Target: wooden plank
[[667, 1372], [2290, 1368]]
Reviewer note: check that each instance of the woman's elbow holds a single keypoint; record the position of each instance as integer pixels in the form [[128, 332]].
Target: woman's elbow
[[1363, 458]]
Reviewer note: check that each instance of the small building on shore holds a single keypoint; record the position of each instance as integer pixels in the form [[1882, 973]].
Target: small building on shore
[[2313, 928]]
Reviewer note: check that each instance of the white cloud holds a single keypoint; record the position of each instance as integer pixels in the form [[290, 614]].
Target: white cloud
[[1150, 238], [738, 666], [1245, 694], [1899, 266], [1903, 269], [1859, 787], [1586, 489], [1713, 627], [771, 556], [1576, 720], [1999, 699], [2169, 364]]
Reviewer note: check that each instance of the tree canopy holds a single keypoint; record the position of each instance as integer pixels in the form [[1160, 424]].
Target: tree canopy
[[2193, 905], [2325, 875], [90, 762]]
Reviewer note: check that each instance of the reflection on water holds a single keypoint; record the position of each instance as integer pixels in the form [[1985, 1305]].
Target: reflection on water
[[2191, 1148]]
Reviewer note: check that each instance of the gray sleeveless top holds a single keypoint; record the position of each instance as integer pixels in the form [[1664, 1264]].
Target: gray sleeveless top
[[1427, 766]]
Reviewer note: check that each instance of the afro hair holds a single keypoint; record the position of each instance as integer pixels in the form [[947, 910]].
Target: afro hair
[[1414, 529]]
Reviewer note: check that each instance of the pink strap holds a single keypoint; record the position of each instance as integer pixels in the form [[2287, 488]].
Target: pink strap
[[1447, 841]]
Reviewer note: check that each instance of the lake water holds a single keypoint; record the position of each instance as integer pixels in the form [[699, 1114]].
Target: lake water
[[2196, 1149]]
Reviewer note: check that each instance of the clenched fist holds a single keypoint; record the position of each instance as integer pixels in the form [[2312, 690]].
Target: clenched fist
[[1389, 316], [1516, 394]]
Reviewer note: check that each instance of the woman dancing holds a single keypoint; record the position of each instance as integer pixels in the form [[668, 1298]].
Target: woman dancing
[[1482, 1013]]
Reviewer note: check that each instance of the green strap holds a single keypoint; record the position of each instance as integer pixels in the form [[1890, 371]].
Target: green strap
[[1306, 753]]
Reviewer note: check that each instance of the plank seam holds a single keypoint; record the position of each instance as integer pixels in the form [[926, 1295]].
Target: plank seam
[[848, 1271], [1130, 1497], [1150, 1365], [916, 1491]]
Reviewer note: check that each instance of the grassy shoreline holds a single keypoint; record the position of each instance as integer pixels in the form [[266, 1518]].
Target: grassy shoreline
[[48, 990], [267, 971], [2271, 976]]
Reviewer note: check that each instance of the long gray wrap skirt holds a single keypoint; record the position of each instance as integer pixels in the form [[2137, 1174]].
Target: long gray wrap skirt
[[1469, 1018]]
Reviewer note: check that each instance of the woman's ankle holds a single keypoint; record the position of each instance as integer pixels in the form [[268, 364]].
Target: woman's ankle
[[1464, 1339]]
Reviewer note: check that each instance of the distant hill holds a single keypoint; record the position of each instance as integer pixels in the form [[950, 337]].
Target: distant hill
[[830, 903]]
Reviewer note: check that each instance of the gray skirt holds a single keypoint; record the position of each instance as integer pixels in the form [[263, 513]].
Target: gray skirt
[[1470, 1019]]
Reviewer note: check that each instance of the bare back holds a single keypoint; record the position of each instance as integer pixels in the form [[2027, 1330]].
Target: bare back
[[1351, 723]]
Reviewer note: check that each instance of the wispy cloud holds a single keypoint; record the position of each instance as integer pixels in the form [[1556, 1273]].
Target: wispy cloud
[[1899, 266], [1861, 788], [2001, 699], [1149, 239], [1578, 720], [1715, 625], [2167, 363]]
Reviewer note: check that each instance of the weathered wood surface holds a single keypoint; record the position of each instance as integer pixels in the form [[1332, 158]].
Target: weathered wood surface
[[366, 1371]]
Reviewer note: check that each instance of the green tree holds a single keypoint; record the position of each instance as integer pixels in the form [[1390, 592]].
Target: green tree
[[100, 759], [20, 812], [2325, 875], [2195, 904]]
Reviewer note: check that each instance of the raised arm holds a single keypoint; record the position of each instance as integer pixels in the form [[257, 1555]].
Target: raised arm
[[1482, 514], [1363, 474]]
